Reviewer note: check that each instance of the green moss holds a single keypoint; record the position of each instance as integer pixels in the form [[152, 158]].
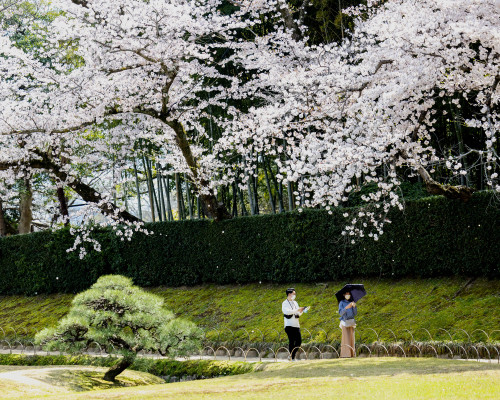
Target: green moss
[[450, 303]]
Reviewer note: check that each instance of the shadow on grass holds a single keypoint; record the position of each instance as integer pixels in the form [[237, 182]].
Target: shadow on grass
[[87, 379], [371, 367]]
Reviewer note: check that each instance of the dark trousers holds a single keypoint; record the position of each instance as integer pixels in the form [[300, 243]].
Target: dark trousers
[[294, 339]]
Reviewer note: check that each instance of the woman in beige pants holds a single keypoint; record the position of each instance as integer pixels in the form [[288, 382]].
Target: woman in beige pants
[[347, 311]]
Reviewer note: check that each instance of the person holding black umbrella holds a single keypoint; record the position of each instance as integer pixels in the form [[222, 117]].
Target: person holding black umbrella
[[347, 297]]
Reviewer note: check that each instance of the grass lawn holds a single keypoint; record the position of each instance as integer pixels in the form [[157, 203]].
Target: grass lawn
[[375, 378], [451, 303], [36, 382]]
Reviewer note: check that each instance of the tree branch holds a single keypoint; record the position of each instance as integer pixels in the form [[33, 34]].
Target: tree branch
[[365, 85], [211, 206], [85, 191]]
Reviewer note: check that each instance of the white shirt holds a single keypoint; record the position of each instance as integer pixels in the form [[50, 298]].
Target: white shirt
[[291, 307]]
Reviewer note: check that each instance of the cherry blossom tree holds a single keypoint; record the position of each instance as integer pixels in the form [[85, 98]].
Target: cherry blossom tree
[[135, 73], [368, 107], [122, 74]]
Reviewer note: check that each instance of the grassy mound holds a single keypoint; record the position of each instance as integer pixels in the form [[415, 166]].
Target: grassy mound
[[450, 303], [375, 378]]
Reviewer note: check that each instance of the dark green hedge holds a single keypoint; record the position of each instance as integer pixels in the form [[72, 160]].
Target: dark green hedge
[[158, 367], [431, 237]]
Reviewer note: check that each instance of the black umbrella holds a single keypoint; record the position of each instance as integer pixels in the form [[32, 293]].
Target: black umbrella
[[357, 291]]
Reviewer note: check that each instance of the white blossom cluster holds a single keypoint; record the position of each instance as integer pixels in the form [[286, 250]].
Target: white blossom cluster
[[366, 107], [328, 115]]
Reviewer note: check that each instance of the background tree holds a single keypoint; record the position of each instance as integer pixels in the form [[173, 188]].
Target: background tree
[[119, 316], [250, 107], [366, 112]]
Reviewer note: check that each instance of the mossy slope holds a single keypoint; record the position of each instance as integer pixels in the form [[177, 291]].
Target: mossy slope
[[454, 303]]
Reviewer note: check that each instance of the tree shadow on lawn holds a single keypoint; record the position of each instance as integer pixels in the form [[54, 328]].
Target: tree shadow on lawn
[[369, 367], [86, 379]]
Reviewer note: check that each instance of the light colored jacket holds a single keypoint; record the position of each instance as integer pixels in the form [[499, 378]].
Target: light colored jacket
[[291, 307]]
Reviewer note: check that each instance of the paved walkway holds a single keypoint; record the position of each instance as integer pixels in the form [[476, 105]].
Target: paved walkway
[[219, 357], [225, 358]]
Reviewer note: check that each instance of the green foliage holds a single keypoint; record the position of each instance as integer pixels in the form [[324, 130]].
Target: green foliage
[[158, 367], [119, 316], [325, 22], [450, 303], [200, 368], [431, 237]]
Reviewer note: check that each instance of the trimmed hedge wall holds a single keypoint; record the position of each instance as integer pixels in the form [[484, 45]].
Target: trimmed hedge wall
[[431, 237]]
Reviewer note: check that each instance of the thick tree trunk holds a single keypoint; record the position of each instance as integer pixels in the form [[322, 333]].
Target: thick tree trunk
[[25, 204], [118, 368], [211, 207], [463, 193], [63, 205]]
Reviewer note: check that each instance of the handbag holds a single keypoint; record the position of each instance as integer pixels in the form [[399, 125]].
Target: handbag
[[349, 323]]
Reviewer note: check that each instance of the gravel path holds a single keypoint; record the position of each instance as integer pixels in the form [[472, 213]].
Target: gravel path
[[32, 376]]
